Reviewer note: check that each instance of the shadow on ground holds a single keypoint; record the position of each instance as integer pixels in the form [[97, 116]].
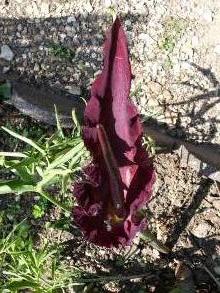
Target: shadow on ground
[[37, 44], [198, 107]]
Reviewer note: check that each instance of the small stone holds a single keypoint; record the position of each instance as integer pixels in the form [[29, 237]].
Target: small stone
[[167, 95], [186, 65], [6, 53], [155, 87], [146, 38], [74, 90], [19, 27], [217, 49], [107, 3], [195, 41], [217, 270], [88, 7], [5, 69], [128, 22], [201, 230], [176, 69], [207, 15], [36, 67], [62, 36], [152, 103], [71, 19], [216, 204]]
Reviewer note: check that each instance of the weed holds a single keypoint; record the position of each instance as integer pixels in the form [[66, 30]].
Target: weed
[[61, 51], [173, 29], [39, 209], [150, 145], [5, 91], [49, 162], [25, 267]]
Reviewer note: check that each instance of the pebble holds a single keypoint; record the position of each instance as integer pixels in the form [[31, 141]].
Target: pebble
[[167, 95], [5, 69], [217, 270], [107, 3], [62, 37], [88, 7], [19, 27], [71, 19], [201, 230], [207, 15], [146, 38], [217, 49], [6, 53], [216, 204], [155, 87], [195, 41], [152, 103], [74, 90], [36, 67], [128, 22]]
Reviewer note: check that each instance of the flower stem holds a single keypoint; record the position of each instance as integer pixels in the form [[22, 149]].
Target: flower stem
[[151, 239], [54, 201], [107, 279]]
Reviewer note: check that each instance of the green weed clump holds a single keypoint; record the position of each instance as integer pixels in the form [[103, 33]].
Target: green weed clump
[[52, 161], [25, 267]]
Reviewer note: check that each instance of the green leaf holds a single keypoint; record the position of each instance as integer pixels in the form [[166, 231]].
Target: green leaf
[[53, 200], [23, 284], [38, 211], [50, 176], [15, 186], [68, 156], [2, 161], [25, 139], [75, 159], [23, 173], [76, 122], [59, 128], [151, 239], [5, 91], [13, 154]]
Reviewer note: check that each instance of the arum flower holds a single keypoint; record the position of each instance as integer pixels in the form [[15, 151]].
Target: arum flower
[[118, 182]]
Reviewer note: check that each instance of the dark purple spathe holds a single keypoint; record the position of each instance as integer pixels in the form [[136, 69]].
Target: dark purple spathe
[[120, 178]]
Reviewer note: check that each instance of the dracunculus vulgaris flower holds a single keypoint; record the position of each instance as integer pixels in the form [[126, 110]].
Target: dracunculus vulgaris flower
[[118, 182]]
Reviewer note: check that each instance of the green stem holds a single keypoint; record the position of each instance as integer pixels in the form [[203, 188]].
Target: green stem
[[54, 201], [112, 278], [151, 239]]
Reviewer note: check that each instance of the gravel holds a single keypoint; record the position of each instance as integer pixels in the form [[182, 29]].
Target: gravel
[[6, 53], [174, 48]]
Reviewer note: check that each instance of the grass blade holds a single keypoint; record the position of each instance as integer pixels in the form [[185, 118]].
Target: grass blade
[[68, 156], [25, 139], [51, 176], [59, 128], [15, 186], [13, 154]]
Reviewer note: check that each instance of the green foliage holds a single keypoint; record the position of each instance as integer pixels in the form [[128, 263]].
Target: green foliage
[[50, 162], [149, 143], [61, 51], [173, 29], [39, 209], [5, 91], [23, 267]]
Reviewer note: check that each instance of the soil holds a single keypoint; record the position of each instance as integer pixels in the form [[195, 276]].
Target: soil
[[174, 48]]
